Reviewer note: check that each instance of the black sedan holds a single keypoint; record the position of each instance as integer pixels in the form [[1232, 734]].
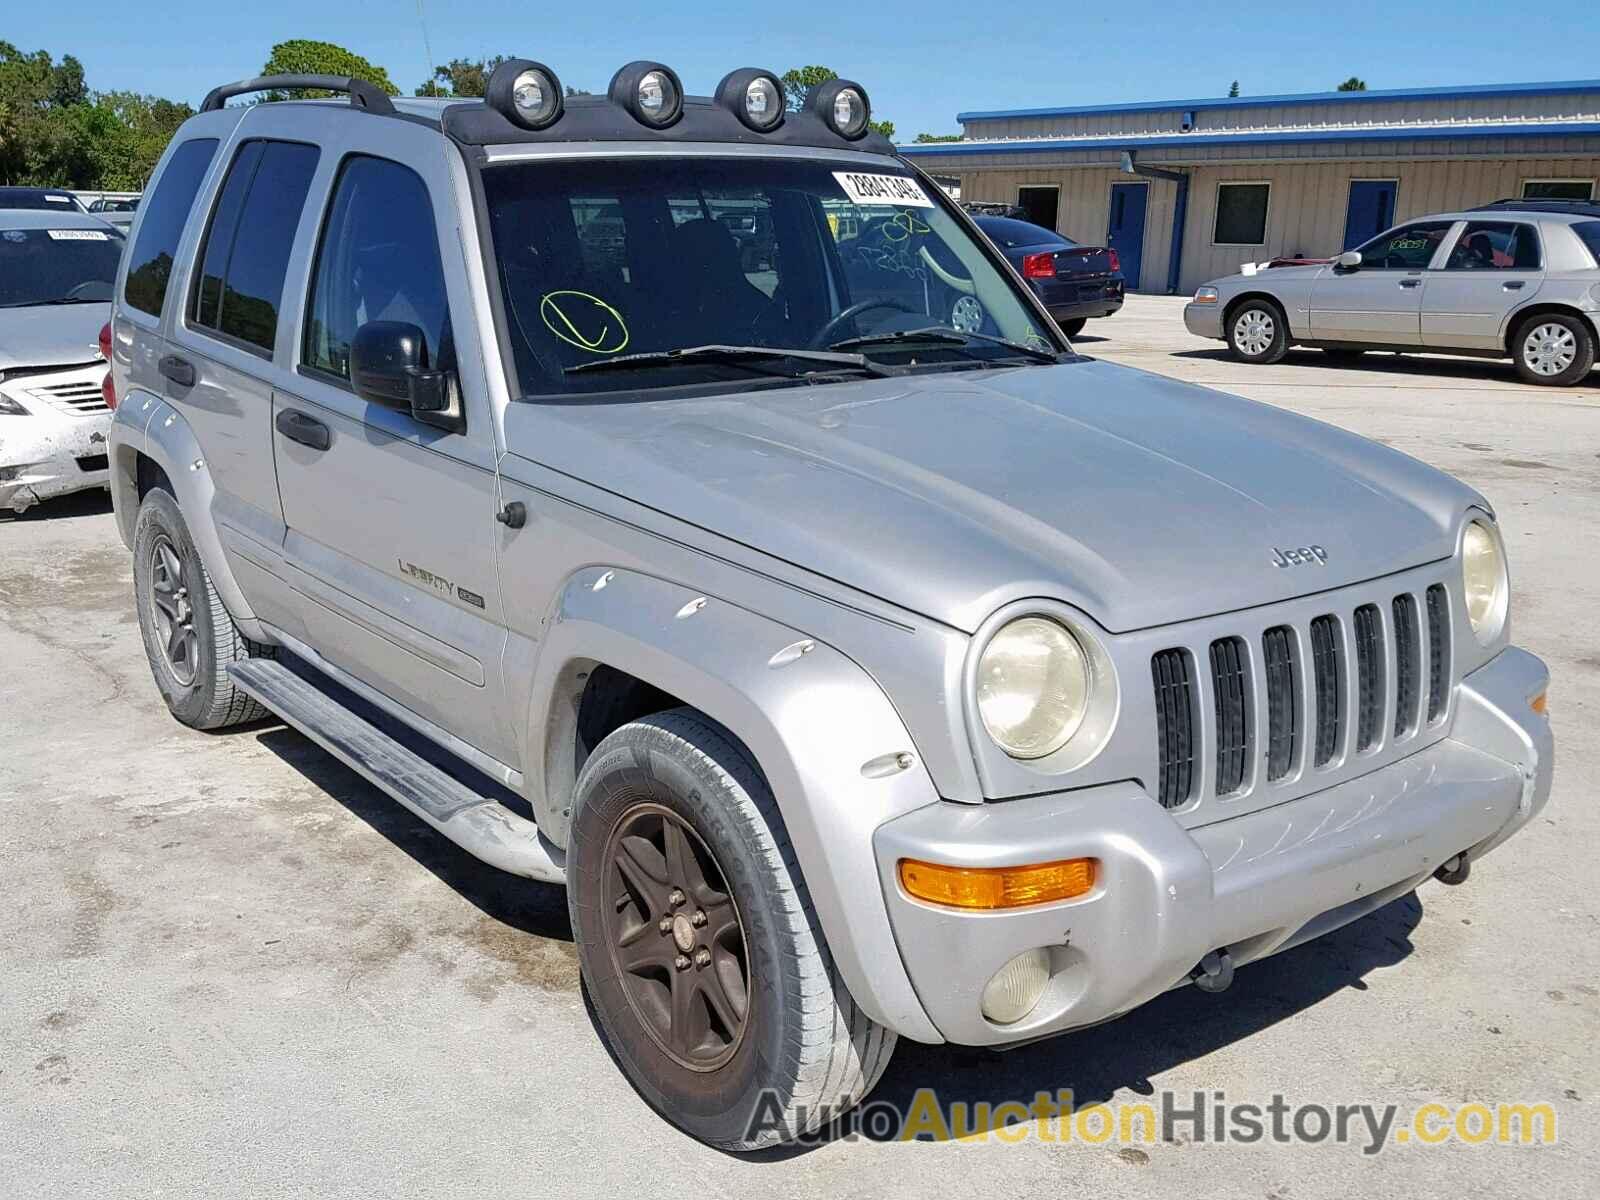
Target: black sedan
[[1075, 282]]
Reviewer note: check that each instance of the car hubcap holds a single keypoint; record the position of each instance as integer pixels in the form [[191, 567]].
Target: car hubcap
[[966, 314], [676, 938], [174, 612], [1550, 349], [1253, 332]]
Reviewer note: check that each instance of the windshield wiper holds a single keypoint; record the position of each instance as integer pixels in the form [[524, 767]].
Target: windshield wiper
[[737, 355], [942, 334]]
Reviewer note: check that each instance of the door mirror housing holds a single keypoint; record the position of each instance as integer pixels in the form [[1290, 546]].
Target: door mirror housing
[[1350, 260], [389, 366]]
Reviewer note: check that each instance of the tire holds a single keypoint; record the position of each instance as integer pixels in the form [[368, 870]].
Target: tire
[[1258, 332], [1553, 349], [194, 681], [802, 1052], [1073, 327]]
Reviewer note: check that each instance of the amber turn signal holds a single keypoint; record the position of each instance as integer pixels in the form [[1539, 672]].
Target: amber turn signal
[[997, 887], [1541, 704]]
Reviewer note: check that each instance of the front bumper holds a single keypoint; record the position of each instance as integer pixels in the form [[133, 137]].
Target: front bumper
[[1203, 320], [1256, 884], [53, 449]]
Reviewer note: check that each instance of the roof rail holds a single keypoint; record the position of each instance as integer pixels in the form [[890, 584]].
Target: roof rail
[[362, 94], [1582, 208]]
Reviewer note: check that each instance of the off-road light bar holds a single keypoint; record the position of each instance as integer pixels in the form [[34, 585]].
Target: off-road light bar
[[754, 96], [527, 93], [650, 91], [843, 107]]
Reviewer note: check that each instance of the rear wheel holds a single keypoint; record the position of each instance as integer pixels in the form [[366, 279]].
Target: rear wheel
[[1258, 332], [1073, 327], [1553, 349], [189, 637], [702, 954]]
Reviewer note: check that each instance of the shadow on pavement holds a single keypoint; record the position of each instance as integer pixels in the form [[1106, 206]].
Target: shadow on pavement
[[91, 503], [1378, 362]]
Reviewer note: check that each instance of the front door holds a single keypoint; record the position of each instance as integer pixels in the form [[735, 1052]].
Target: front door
[[1370, 210], [1125, 232], [391, 531], [1379, 302], [1493, 268]]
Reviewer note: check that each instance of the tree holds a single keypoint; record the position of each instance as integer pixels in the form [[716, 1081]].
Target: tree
[[461, 77], [1233, 90], [39, 142], [305, 57], [1353, 84], [938, 137], [799, 83]]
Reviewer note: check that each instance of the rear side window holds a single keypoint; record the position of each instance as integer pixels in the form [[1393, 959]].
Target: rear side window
[[1589, 233], [378, 261], [166, 211], [1495, 246], [245, 255]]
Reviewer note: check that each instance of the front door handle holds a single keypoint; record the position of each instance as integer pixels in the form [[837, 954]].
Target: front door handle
[[298, 427], [179, 370], [1514, 285], [1411, 283]]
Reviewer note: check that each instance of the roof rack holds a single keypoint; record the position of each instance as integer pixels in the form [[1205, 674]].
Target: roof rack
[[362, 94], [1582, 208]]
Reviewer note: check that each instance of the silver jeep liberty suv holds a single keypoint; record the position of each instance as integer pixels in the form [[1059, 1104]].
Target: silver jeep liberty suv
[[677, 499]]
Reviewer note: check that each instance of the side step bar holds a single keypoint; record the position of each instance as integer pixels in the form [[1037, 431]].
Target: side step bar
[[480, 825]]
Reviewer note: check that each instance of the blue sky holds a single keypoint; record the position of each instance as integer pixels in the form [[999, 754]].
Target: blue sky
[[921, 62]]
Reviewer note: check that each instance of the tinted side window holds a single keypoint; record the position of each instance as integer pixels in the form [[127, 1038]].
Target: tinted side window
[[1589, 233], [166, 211], [1409, 248], [1495, 246], [246, 254], [378, 261]]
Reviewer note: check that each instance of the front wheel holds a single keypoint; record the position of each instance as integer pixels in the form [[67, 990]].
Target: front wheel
[[1553, 349], [703, 957], [1258, 332]]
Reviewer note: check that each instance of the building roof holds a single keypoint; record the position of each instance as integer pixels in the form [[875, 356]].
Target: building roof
[[1460, 92]]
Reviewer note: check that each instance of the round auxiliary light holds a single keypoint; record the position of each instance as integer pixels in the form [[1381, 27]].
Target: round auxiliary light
[[650, 91], [754, 96], [527, 93], [843, 107]]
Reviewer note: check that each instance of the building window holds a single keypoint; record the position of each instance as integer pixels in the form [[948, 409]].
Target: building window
[[1241, 214], [1040, 204], [1558, 189]]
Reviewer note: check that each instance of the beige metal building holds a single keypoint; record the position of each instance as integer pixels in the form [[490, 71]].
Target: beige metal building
[[1187, 190]]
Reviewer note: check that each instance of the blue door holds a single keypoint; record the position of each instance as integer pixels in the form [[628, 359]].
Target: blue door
[[1370, 211], [1125, 234]]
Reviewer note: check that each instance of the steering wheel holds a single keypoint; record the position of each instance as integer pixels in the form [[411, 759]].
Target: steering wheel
[[828, 333]]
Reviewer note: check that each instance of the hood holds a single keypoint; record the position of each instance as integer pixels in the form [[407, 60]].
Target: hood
[[51, 335], [1138, 499]]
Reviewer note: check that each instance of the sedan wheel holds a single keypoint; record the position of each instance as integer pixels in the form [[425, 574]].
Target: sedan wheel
[[1554, 349], [1257, 332]]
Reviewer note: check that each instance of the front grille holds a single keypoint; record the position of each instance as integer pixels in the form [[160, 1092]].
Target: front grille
[[1283, 700], [1175, 731], [82, 397], [1230, 686], [1369, 675], [1327, 660], [1317, 687], [1407, 667]]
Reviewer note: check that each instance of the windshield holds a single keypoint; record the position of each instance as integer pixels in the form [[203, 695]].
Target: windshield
[[628, 258], [57, 266]]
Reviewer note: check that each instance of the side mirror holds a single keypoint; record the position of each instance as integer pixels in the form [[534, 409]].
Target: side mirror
[[389, 366], [1350, 260]]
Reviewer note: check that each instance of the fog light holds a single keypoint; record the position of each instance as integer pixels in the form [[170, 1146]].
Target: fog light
[[527, 92], [997, 887], [1014, 990], [843, 107], [650, 91], [754, 96]]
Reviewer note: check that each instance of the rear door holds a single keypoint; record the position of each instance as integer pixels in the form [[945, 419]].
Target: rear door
[[1381, 301], [1493, 267], [391, 522]]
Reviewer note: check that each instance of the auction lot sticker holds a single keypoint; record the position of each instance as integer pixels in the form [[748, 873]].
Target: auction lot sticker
[[882, 189], [76, 235]]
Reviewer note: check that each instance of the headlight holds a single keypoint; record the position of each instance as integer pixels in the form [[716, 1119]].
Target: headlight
[[10, 408], [1483, 580], [1206, 295], [1033, 687]]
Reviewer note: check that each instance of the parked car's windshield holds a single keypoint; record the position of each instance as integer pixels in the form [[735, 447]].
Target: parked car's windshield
[[57, 266], [612, 258]]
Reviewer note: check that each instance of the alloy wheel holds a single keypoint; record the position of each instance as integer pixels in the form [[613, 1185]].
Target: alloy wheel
[[174, 611], [676, 938]]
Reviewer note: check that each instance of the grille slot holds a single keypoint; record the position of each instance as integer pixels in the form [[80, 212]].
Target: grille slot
[[1438, 652], [1229, 667], [1327, 661], [1283, 700], [1407, 664], [1369, 675], [1175, 726], [82, 397]]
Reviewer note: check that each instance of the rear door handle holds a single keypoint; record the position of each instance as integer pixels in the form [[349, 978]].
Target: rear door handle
[[298, 427], [1411, 283], [179, 370], [1514, 285]]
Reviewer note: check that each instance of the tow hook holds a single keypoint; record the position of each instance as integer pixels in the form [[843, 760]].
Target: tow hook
[[1214, 972], [1454, 871]]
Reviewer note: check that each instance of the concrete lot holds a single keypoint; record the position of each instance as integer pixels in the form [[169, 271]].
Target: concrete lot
[[233, 969]]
